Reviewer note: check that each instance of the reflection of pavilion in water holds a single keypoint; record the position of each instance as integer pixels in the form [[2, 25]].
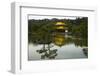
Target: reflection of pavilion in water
[[46, 51], [59, 39]]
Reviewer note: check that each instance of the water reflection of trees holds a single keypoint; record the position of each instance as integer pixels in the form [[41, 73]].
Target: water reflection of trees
[[58, 39], [45, 39], [61, 39]]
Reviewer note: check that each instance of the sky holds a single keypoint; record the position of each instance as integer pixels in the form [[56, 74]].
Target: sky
[[39, 17]]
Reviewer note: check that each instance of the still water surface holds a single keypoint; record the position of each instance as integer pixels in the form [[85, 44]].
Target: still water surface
[[57, 46]]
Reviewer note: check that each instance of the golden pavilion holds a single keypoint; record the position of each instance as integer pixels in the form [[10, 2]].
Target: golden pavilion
[[60, 26]]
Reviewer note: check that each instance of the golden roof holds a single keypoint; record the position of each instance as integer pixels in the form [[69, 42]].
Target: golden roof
[[60, 23], [60, 27]]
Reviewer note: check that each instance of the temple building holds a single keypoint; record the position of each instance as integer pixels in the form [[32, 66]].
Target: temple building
[[60, 27]]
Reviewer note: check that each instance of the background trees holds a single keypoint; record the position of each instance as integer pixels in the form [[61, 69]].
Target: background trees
[[76, 27]]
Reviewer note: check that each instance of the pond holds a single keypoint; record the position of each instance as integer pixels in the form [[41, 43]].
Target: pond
[[56, 46]]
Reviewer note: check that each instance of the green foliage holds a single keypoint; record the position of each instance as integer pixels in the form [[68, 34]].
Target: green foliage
[[80, 28], [76, 27]]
